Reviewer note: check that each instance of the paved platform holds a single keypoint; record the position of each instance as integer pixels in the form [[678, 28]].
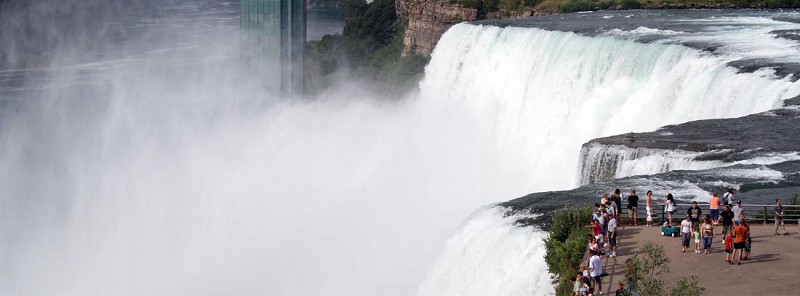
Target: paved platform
[[773, 269]]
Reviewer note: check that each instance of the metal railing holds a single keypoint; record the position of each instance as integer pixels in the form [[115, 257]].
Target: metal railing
[[755, 213]]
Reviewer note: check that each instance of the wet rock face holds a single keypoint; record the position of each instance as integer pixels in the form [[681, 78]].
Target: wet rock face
[[428, 20]]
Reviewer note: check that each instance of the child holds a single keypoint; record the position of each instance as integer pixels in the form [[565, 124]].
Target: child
[[696, 234], [728, 248]]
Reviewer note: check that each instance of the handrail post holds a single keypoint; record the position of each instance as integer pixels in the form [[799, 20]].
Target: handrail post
[[765, 215]]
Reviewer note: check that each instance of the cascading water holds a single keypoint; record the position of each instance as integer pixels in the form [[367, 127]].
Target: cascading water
[[167, 169]]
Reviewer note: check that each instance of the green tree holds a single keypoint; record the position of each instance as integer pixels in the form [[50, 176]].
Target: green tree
[[644, 274]]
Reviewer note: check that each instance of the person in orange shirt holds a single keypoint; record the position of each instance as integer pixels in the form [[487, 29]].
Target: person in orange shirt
[[714, 206], [739, 240]]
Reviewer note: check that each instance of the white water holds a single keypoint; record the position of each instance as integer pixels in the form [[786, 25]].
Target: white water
[[490, 256], [175, 174], [626, 162], [543, 94]]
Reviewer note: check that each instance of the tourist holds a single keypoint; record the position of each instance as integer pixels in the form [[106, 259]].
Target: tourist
[[595, 271], [694, 212], [714, 206], [610, 209], [779, 217], [620, 290], [649, 207], [728, 248], [616, 198], [612, 236], [739, 240], [593, 246], [737, 212], [597, 231], [748, 242], [686, 233], [729, 197], [726, 217], [578, 284], [670, 208], [604, 199], [587, 279], [633, 205], [696, 235], [598, 212], [708, 233]]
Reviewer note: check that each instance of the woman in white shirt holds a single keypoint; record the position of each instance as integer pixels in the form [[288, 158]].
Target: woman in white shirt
[[670, 205]]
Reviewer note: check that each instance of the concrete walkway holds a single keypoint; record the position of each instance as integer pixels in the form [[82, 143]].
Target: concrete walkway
[[773, 269]]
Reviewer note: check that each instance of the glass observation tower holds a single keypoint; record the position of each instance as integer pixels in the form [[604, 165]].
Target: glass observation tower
[[273, 40]]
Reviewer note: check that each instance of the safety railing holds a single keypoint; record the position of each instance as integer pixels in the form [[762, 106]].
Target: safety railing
[[755, 213]]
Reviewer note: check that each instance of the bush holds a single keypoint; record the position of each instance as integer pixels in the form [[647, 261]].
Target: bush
[[630, 4], [577, 5], [566, 244], [643, 274]]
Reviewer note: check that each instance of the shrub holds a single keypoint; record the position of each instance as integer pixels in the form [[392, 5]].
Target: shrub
[[566, 244], [577, 5]]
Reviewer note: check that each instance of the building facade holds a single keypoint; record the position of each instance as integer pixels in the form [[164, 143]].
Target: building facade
[[273, 40]]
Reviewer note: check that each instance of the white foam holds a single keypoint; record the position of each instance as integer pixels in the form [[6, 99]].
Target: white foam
[[491, 256]]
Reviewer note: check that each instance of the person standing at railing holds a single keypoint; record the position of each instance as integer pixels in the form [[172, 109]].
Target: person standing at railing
[[648, 199], [633, 206], [737, 212], [669, 205], [779, 217], [713, 205], [617, 199], [726, 217], [729, 197]]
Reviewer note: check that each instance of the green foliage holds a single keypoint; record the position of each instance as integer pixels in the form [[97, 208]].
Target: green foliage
[[369, 48], [630, 4], [578, 5], [688, 287], [566, 244], [644, 274]]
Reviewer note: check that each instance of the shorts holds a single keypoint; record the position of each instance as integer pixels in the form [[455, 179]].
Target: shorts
[[728, 251], [738, 245], [612, 242], [649, 211], [597, 279], [696, 241]]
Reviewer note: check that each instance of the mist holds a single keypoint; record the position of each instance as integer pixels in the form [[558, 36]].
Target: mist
[[142, 158]]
